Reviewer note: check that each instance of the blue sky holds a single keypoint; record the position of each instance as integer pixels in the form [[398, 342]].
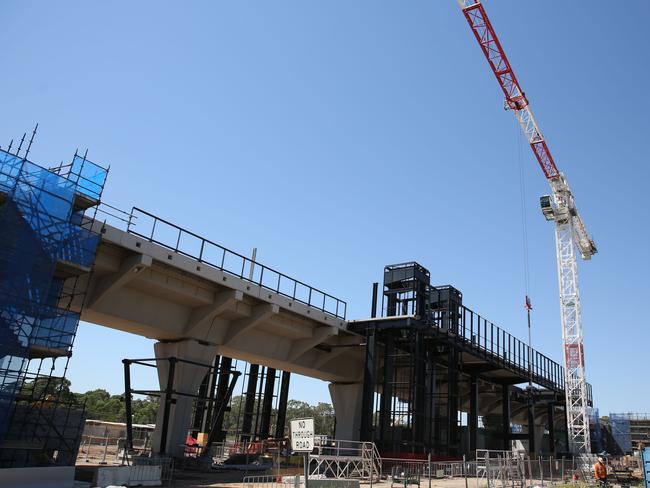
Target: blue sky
[[341, 136]]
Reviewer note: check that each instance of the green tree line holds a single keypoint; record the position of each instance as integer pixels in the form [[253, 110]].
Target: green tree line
[[101, 405]]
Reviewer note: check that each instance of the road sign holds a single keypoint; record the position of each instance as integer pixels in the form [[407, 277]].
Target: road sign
[[302, 435]]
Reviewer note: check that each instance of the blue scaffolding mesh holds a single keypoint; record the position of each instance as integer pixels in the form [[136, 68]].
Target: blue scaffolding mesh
[[620, 425], [41, 227], [596, 431]]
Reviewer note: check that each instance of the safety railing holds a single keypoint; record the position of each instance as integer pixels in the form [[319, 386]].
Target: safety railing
[[182, 241], [407, 468], [271, 481], [492, 341], [343, 459], [541, 470]]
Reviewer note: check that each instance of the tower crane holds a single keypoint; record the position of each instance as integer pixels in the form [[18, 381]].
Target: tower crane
[[560, 207]]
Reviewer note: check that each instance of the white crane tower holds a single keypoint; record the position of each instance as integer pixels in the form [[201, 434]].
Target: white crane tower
[[570, 231]]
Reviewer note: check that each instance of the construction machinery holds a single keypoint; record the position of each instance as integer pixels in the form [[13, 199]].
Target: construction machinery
[[560, 207]]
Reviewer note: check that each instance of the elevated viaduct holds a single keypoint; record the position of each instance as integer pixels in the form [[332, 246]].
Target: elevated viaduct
[[199, 299], [424, 374]]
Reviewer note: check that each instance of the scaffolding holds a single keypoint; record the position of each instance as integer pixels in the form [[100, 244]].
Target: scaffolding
[[46, 246], [630, 430], [597, 443]]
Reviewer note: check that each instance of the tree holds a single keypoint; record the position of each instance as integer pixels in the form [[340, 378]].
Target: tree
[[101, 405], [42, 387], [323, 415]]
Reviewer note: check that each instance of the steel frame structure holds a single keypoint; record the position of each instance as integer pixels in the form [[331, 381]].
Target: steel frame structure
[[569, 228], [218, 403], [345, 460], [426, 357]]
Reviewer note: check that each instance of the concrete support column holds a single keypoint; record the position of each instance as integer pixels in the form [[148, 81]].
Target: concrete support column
[[346, 400], [177, 377]]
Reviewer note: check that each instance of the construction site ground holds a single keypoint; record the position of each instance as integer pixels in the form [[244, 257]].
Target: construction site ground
[[214, 480]]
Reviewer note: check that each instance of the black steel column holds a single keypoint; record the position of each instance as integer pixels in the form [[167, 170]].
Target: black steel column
[[373, 305], [200, 404], [473, 413], [531, 426], [452, 400], [222, 398], [168, 405], [387, 392], [438, 413], [566, 429], [369, 383], [211, 392], [267, 405], [429, 391], [127, 403], [505, 417], [249, 403], [282, 405], [215, 436], [419, 389], [551, 428]]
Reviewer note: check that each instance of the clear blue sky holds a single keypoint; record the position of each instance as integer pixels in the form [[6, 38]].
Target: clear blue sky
[[339, 136]]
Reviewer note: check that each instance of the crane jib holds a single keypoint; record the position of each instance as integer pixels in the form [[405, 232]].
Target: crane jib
[[515, 98], [545, 159], [495, 55]]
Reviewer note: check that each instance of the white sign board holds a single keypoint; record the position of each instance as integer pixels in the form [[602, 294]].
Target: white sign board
[[302, 435]]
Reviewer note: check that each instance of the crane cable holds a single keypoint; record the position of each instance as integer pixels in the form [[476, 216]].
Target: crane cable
[[524, 241], [523, 209]]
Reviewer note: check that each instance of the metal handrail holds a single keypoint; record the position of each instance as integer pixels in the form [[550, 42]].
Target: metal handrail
[[488, 338], [284, 285]]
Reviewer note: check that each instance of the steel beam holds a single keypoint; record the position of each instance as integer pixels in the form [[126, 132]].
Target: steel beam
[[473, 413], [505, 417], [369, 384], [267, 404], [249, 403], [282, 405]]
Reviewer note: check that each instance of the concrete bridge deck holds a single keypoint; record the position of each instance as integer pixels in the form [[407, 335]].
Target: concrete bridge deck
[[145, 288]]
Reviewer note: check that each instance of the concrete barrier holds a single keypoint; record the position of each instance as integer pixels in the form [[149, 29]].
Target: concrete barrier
[[129, 476]]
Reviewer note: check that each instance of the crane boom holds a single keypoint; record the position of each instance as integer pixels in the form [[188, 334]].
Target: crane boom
[[570, 231]]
